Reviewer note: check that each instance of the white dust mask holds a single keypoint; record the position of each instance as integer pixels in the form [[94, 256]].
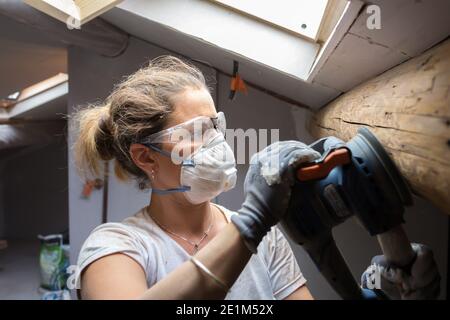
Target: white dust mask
[[207, 172], [213, 172]]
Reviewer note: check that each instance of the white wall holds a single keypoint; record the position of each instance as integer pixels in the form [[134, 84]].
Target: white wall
[[91, 78]]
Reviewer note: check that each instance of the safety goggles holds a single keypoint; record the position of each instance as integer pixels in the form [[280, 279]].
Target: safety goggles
[[197, 131]]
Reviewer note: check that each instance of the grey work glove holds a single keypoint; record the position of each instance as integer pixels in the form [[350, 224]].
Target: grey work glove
[[421, 283], [267, 188]]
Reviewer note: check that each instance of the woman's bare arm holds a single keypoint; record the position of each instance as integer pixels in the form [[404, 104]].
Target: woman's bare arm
[[120, 277], [116, 276], [301, 293]]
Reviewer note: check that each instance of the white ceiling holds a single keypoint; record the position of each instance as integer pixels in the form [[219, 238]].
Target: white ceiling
[[133, 17], [409, 27]]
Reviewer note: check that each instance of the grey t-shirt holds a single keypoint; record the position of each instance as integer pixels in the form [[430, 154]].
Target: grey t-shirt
[[272, 273]]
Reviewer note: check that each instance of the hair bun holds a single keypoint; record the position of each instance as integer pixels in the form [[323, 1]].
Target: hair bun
[[104, 138]]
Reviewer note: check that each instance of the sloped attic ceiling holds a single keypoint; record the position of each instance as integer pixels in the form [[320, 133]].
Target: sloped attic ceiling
[[408, 28], [28, 57]]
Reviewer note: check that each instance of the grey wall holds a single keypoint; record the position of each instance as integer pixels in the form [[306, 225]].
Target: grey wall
[[2, 207], [92, 77], [34, 197]]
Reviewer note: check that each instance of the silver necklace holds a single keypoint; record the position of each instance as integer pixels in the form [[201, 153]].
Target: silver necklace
[[194, 244]]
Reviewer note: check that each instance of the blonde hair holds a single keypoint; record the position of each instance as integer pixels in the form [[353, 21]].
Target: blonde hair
[[136, 108]]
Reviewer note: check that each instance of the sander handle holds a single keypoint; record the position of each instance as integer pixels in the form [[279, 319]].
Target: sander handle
[[322, 167]]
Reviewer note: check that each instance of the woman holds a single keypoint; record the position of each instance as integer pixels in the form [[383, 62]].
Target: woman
[[182, 246]]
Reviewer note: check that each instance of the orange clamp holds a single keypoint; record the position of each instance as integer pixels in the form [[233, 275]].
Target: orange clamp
[[237, 84]]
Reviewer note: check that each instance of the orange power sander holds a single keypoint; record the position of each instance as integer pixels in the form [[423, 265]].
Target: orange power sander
[[357, 178]]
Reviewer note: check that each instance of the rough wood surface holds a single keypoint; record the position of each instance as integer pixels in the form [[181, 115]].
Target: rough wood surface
[[408, 109]]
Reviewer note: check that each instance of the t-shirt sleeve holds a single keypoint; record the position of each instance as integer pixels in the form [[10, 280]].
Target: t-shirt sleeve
[[284, 272], [112, 238]]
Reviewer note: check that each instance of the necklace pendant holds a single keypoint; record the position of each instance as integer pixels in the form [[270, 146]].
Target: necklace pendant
[[196, 247]]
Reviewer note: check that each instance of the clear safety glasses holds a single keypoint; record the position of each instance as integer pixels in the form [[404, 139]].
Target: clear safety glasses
[[197, 131]]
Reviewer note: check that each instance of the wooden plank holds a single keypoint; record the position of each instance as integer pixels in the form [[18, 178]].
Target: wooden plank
[[408, 109]]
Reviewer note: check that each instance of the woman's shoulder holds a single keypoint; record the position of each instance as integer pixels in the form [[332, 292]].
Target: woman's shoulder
[[138, 224], [135, 230], [129, 236]]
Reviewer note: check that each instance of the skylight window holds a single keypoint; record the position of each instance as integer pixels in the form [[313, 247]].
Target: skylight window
[[33, 90], [302, 17]]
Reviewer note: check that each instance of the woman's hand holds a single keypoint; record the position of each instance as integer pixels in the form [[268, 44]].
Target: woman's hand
[[267, 188], [422, 282]]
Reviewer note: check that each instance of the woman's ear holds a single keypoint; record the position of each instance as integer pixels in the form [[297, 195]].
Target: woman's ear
[[144, 158]]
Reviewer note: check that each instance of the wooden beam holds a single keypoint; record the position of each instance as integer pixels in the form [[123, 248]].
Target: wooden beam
[[97, 35], [408, 109]]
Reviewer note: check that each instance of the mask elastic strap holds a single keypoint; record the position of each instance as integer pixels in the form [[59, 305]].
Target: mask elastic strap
[[188, 163], [172, 190]]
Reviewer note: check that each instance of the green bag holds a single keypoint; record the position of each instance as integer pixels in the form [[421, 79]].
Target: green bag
[[53, 260]]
